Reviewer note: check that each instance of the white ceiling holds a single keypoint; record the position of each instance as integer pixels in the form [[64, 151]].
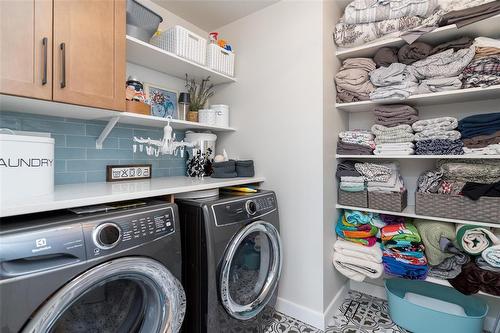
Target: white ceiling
[[210, 15]]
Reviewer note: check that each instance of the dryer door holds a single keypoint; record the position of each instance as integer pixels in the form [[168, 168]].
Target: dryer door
[[132, 294], [250, 270]]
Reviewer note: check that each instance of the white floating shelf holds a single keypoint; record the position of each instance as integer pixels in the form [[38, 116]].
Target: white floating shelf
[[444, 97], [487, 27], [55, 109], [409, 211], [150, 56], [420, 157]]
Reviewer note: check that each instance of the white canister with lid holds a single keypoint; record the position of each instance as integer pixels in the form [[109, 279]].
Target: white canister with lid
[[205, 142], [206, 116], [26, 164], [221, 115]]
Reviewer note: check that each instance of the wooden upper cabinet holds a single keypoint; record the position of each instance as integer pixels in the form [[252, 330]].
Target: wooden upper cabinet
[[89, 53], [26, 48]]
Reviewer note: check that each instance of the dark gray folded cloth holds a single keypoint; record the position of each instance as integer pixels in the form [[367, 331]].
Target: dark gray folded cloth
[[470, 15], [226, 169], [245, 168], [344, 148], [394, 115], [439, 147], [385, 56], [347, 169], [456, 44], [408, 54]]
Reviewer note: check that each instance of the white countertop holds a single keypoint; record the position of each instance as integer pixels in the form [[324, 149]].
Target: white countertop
[[76, 195]]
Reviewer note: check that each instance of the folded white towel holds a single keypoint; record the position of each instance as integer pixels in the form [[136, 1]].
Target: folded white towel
[[352, 179], [356, 261]]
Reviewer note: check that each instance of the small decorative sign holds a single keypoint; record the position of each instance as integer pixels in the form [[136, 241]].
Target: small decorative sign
[[128, 172]]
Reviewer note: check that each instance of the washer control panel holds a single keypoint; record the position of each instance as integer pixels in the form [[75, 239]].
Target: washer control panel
[[243, 208], [124, 232]]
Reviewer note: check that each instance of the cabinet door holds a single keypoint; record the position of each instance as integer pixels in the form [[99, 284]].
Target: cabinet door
[[26, 48], [89, 53]]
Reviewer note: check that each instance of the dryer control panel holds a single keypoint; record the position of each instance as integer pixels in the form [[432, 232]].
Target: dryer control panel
[[242, 209], [117, 234]]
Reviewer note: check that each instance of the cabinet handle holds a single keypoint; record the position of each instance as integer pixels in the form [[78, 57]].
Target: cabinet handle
[[63, 65], [44, 46]]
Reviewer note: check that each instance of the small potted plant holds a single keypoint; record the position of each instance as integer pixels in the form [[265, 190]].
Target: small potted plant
[[199, 94]]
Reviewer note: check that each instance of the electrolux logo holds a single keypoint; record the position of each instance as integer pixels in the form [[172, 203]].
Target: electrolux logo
[[41, 245], [25, 162]]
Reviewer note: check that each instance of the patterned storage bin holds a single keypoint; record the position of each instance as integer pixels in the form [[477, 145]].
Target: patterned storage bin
[[486, 209], [392, 201], [220, 60], [182, 42], [353, 199]]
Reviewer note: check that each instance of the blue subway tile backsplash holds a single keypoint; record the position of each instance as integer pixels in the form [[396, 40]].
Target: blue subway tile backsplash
[[77, 159]]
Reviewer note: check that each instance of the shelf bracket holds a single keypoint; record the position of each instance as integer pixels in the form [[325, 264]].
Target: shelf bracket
[[105, 132]]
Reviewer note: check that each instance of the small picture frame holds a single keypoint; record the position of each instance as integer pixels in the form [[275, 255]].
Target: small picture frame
[[128, 172], [163, 100]]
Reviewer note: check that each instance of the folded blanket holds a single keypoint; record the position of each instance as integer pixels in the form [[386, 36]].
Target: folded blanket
[[397, 187], [385, 56], [488, 150], [346, 96], [395, 267], [365, 11], [480, 124], [475, 191], [357, 136], [470, 15], [456, 44], [344, 148], [402, 231], [474, 240], [482, 52], [439, 84], [487, 42], [351, 35], [441, 123], [437, 134], [410, 53], [439, 147], [482, 72], [395, 74], [482, 141], [397, 134], [429, 181], [374, 172], [450, 267], [347, 168], [445, 64], [355, 81], [365, 64], [395, 91], [473, 279], [472, 172], [394, 115], [431, 233], [352, 179], [352, 187], [492, 255]]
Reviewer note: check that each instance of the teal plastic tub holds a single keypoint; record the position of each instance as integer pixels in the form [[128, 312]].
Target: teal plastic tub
[[422, 319]]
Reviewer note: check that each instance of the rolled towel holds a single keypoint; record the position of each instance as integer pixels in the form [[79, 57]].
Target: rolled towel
[[492, 255], [474, 240], [356, 268], [431, 233]]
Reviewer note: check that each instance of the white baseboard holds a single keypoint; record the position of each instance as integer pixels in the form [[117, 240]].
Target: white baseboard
[[334, 305], [300, 312]]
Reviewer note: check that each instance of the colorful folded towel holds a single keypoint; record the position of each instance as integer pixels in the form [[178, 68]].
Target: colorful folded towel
[[400, 232], [398, 268], [363, 234]]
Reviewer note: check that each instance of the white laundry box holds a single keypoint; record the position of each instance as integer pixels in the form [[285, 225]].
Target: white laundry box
[[26, 165]]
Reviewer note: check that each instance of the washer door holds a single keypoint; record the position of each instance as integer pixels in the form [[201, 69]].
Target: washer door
[[250, 270], [131, 294]]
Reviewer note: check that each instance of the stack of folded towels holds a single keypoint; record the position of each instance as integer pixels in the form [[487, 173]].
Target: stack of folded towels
[[484, 69], [396, 140], [437, 137], [481, 134], [403, 252], [352, 184], [394, 115], [357, 254], [352, 81], [381, 177], [364, 21], [396, 81], [355, 142]]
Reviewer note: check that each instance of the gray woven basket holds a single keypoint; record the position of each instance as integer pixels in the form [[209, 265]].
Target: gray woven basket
[[486, 209], [392, 201], [354, 199]]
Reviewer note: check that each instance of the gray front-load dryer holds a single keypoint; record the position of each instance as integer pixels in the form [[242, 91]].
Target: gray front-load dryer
[[232, 259], [116, 271]]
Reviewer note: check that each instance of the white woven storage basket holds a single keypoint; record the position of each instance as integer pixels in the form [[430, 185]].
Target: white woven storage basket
[[182, 42], [220, 60]]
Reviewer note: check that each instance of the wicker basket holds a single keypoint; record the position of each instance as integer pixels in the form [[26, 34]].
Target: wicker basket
[[353, 199], [486, 209], [220, 60], [390, 201], [182, 42]]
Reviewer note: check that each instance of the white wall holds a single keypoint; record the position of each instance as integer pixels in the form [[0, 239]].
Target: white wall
[[283, 113]]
